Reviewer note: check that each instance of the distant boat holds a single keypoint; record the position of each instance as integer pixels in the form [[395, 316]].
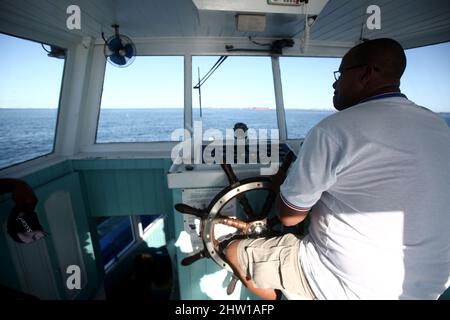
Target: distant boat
[[262, 108]]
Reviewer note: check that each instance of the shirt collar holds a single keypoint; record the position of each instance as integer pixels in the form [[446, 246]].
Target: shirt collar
[[383, 96]]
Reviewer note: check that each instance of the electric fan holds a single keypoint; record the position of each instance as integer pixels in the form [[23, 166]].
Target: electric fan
[[119, 49]]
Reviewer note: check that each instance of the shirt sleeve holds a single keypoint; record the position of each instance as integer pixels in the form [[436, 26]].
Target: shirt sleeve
[[313, 172]]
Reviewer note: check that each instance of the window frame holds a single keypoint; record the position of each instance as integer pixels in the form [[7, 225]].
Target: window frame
[[136, 145], [139, 235], [290, 136], [43, 157], [218, 55]]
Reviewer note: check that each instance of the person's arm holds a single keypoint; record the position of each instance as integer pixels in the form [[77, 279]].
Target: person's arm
[[288, 215], [22, 194], [313, 173]]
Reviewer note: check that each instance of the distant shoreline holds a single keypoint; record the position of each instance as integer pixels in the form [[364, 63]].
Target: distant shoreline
[[180, 108], [204, 108]]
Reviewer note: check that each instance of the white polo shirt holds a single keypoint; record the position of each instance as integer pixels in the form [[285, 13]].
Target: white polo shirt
[[378, 178]]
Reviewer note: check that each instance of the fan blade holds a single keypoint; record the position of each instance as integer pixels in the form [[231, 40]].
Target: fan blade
[[117, 59], [129, 51], [115, 44]]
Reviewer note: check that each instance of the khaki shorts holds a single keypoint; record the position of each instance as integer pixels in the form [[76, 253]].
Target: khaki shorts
[[273, 263]]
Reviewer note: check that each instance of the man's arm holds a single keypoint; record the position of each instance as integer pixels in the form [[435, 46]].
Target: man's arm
[[288, 215]]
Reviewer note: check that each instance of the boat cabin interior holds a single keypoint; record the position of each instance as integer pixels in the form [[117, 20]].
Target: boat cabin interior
[[108, 108]]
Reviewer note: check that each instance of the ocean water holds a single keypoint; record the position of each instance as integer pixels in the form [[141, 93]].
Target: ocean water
[[143, 125], [26, 134], [29, 133]]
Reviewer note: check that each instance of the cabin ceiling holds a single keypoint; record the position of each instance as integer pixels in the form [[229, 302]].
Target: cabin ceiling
[[412, 22]]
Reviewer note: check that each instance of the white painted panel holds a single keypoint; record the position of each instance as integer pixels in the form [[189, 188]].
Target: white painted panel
[[65, 238]]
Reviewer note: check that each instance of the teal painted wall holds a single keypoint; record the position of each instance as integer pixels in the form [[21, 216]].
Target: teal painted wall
[[71, 184], [445, 295], [96, 188], [8, 274], [125, 187]]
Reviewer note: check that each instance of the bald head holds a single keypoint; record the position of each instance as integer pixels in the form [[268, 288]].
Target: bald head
[[385, 54], [371, 68]]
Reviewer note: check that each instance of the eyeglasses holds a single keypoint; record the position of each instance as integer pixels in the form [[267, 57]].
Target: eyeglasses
[[337, 74]]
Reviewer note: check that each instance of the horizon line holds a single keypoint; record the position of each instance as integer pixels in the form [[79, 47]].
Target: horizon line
[[149, 108], [181, 108]]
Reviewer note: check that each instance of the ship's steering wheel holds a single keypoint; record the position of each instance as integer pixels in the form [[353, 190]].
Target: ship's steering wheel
[[256, 224]]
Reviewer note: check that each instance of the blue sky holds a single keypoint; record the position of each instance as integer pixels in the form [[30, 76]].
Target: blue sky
[[32, 80]]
